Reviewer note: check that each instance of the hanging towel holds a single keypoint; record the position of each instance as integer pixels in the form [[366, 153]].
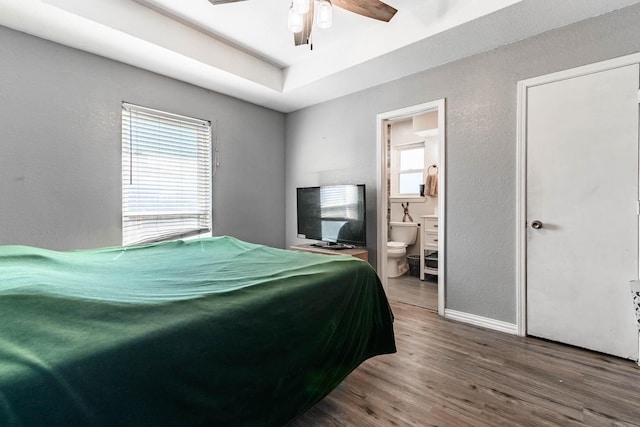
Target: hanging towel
[[432, 181]]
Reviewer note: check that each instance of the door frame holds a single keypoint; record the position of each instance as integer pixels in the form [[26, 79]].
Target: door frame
[[381, 159], [521, 169]]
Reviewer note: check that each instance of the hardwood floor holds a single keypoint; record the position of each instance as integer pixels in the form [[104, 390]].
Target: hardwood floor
[[447, 373], [411, 290]]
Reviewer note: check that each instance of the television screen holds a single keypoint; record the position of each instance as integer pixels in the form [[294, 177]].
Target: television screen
[[332, 214]]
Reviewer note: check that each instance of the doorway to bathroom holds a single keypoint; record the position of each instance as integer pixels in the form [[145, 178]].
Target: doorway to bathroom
[[411, 207]]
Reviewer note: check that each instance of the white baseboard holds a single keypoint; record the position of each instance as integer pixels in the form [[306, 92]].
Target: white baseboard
[[484, 322]]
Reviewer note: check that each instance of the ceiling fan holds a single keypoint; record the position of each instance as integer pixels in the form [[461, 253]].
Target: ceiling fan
[[301, 20]]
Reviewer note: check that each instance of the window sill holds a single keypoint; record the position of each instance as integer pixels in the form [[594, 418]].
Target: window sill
[[198, 236], [403, 199]]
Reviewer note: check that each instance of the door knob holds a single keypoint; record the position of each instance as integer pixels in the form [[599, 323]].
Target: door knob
[[536, 225]]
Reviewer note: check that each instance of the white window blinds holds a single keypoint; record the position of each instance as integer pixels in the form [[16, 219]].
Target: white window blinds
[[166, 175]]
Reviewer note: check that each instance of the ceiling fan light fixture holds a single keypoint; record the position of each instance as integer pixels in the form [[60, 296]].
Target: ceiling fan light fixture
[[295, 21], [301, 6], [324, 14]]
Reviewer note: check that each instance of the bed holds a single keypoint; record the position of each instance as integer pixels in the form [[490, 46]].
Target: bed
[[210, 332]]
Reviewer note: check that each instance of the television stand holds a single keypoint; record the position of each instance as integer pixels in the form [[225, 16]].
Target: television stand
[[361, 253]]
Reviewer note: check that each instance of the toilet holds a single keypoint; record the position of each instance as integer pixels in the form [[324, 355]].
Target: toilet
[[401, 235]]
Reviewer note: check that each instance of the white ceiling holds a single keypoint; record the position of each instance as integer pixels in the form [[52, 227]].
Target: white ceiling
[[245, 50]]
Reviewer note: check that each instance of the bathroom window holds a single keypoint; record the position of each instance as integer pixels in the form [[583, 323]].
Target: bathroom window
[[407, 170]]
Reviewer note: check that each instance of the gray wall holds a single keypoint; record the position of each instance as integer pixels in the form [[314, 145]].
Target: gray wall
[[336, 142], [60, 185], [60, 148]]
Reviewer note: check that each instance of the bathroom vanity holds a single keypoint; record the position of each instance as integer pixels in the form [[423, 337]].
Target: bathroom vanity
[[429, 245]]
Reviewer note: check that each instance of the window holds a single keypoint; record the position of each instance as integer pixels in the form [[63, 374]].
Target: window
[[166, 175], [407, 170]]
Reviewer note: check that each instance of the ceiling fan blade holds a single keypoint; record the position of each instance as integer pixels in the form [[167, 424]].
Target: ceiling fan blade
[[304, 36], [371, 8], [215, 2]]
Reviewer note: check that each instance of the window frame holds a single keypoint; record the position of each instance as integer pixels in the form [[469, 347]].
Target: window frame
[[153, 156], [395, 171]]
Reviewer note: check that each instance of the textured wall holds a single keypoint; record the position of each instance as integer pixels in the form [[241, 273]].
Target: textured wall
[[60, 160], [336, 141]]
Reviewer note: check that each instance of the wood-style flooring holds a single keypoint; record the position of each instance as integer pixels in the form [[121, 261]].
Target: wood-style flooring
[[411, 290], [447, 373]]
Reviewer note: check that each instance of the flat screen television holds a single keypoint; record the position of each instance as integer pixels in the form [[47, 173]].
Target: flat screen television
[[332, 214]]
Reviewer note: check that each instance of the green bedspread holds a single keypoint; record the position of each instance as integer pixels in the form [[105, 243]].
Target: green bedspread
[[212, 332]]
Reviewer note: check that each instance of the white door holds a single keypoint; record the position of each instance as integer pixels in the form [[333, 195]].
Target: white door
[[582, 188]]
